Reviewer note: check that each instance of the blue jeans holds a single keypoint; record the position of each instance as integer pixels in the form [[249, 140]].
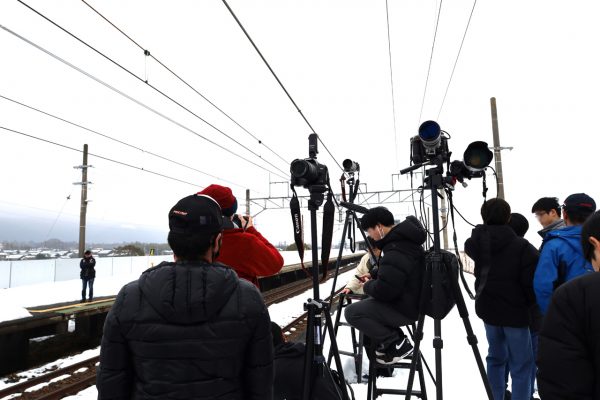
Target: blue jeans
[[86, 283], [509, 347]]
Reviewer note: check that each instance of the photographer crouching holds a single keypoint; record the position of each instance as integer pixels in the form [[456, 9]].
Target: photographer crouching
[[394, 287]]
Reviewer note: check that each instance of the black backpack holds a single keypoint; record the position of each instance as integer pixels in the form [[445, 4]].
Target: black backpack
[[439, 306], [340, 383]]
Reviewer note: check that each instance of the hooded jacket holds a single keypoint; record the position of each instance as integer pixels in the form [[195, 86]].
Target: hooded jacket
[[560, 261], [289, 371], [249, 254], [187, 331], [399, 277], [504, 267], [569, 342]]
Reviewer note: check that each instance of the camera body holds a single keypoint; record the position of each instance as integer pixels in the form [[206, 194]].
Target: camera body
[[308, 172]]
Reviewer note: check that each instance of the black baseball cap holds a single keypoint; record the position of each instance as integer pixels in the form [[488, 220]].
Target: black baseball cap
[[196, 214]]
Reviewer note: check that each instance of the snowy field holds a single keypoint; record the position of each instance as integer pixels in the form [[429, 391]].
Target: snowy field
[[460, 374]]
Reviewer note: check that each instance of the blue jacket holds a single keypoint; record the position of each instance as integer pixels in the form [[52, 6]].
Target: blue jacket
[[560, 261]]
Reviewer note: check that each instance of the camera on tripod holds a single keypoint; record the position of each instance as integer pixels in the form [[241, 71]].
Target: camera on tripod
[[429, 143], [308, 172]]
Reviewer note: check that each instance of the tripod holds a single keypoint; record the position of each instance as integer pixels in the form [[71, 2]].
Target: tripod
[[431, 290], [317, 309]]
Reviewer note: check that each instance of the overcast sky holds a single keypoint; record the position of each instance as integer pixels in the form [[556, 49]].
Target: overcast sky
[[538, 58]]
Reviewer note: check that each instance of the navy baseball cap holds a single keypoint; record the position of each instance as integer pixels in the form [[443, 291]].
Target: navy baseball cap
[[579, 202], [196, 214]]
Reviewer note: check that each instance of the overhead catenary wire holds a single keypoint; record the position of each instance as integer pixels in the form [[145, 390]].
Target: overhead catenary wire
[[138, 102], [119, 141], [430, 60], [387, 19], [279, 81], [456, 61], [151, 86], [99, 156], [147, 53]]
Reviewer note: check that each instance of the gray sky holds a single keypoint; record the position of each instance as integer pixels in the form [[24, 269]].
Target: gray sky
[[538, 58]]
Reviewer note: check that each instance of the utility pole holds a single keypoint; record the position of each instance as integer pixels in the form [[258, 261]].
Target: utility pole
[[82, 213], [247, 201], [497, 148]]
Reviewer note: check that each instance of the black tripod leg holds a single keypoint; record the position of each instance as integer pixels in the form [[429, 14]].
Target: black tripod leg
[[336, 354], [338, 315], [309, 371], [471, 338]]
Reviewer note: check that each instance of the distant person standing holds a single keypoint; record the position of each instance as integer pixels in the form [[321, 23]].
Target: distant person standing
[[87, 274], [244, 248], [547, 212]]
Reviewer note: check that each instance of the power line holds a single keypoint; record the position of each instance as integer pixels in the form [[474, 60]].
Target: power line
[[279, 81], [457, 56], [99, 156], [118, 141], [148, 84], [147, 53], [133, 99], [387, 20], [430, 59]]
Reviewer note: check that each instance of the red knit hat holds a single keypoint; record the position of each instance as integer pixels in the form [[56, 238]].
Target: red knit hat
[[224, 196]]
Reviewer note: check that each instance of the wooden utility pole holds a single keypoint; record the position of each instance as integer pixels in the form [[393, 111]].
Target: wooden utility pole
[[82, 213], [497, 148]]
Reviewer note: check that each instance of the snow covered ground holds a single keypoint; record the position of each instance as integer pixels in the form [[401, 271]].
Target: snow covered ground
[[460, 374]]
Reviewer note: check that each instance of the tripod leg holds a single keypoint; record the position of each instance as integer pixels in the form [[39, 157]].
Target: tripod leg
[[336, 354], [308, 376], [471, 338], [337, 324]]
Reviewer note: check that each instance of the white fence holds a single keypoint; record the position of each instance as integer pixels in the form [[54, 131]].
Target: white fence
[[31, 272]]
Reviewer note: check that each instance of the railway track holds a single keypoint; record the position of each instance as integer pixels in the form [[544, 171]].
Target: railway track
[[72, 379]]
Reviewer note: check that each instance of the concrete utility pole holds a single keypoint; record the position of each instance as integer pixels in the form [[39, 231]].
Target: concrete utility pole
[[82, 213], [497, 148]]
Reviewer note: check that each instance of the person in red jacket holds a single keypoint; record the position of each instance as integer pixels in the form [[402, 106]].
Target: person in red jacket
[[244, 248]]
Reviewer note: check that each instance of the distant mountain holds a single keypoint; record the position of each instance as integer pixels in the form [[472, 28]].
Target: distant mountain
[[26, 229]]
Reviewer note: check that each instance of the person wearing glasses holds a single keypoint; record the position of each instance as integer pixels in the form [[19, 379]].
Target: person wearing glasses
[[547, 212], [561, 257]]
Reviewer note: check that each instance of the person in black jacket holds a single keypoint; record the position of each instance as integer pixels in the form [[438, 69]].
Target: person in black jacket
[[569, 342], [394, 287], [288, 365], [87, 274], [188, 329], [504, 267]]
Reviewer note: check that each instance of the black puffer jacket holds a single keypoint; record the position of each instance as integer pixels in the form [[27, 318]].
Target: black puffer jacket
[[187, 331], [504, 268], [401, 266], [87, 270], [569, 342]]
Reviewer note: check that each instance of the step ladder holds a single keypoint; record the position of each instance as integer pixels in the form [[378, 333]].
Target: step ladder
[[373, 391]]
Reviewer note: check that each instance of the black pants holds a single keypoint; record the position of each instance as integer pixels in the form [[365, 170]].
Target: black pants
[[376, 319]]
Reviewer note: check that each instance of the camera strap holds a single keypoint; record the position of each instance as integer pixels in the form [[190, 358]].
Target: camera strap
[[328, 217], [297, 224]]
